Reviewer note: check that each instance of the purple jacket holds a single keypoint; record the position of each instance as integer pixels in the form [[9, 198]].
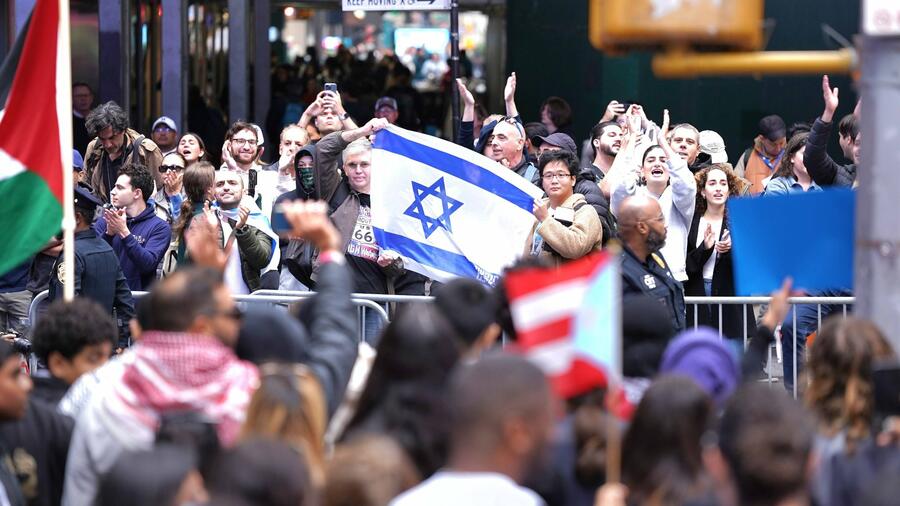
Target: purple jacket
[[141, 252]]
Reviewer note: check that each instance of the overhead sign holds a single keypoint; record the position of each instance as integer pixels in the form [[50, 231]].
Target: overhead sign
[[881, 17], [396, 5]]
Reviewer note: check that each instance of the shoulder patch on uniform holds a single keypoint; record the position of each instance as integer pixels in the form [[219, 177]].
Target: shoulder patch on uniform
[[61, 272], [659, 260]]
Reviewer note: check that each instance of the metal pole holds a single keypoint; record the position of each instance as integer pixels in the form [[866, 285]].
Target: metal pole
[[877, 231], [64, 99], [454, 64], [238, 55], [262, 69], [174, 60], [114, 52]]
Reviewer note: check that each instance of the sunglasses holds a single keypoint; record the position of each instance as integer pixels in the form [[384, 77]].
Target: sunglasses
[[166, 168]]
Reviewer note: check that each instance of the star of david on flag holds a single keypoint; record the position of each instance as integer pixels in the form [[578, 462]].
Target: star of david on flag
[[421, 183], [417, 208]]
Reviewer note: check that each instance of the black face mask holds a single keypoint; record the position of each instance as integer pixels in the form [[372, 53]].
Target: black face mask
[[655, 241]]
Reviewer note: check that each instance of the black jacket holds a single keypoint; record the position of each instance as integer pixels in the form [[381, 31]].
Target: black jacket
[[733, 321], [98, 276], [821, 167], [655, 280], [587, 184], [38, 445]]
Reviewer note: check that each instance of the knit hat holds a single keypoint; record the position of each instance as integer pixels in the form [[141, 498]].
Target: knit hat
[[270, 335], [703, 356]]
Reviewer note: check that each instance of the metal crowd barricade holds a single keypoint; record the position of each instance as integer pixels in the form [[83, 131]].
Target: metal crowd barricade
[[693, 304], [384, 307], [271, 298]]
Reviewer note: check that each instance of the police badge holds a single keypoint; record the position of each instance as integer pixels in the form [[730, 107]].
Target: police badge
[[650, 281]]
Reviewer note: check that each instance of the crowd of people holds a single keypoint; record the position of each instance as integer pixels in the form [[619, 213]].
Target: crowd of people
[[181, 396]]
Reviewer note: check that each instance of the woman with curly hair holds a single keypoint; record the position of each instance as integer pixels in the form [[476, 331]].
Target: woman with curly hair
[[709, 265], [840, 390]]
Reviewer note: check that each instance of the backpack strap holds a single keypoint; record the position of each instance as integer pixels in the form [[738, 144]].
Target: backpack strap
[[530, 172], [134, 147]]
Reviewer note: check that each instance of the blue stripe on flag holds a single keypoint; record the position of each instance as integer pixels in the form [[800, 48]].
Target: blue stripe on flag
[[455, 166], [428, 255]]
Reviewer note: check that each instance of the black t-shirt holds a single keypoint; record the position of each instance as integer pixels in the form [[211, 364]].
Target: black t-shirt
[[362, 252]]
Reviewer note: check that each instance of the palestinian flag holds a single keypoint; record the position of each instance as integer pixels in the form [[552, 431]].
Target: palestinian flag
[[35, 136]]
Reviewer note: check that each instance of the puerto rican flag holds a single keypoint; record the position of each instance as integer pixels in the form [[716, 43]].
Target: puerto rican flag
[[568, 321]]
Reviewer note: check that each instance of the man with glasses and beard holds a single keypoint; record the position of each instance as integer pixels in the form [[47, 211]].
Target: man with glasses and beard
[[642, 229]]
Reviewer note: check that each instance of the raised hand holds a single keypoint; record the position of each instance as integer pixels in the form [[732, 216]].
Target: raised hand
[[778, 306], [664, 130], [709, 237], [228, 157], [831, 100], [465, 94], [375, 124], [203, 242], [243, 216], [613, 109], [509, 92]]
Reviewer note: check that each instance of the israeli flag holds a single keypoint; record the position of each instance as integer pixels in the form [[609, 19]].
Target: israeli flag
[[447, 210]]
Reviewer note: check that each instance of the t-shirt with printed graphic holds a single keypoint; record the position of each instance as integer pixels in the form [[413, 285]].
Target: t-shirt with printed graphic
[[362, 252]]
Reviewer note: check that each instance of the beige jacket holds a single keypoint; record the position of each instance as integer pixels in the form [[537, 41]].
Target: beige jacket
[[583, 236], [148, 154]]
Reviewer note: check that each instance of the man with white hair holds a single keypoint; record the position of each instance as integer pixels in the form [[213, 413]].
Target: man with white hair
[[374, 270]]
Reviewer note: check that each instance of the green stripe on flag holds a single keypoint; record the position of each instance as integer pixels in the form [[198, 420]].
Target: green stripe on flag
[[31, 216]]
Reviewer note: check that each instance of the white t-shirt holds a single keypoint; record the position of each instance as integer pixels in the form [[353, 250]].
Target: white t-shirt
[[710, 264], [234, 276], [470, 489]]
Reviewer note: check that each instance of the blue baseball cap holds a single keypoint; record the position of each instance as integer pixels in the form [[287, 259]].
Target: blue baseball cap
[[77, 160]]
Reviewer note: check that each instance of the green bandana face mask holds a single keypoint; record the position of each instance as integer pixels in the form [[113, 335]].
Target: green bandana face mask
[[307, 178]]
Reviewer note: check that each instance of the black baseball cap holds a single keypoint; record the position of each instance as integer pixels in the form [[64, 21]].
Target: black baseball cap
[[560, 140], [772, 127], [84, 199]]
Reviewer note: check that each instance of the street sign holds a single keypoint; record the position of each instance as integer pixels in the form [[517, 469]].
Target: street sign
[[881, 17], [396, 5]]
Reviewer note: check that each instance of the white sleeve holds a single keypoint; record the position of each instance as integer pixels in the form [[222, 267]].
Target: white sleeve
[[684, 188]]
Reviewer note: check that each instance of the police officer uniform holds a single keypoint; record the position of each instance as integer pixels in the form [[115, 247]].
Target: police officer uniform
[[654, 279], [98, 275]]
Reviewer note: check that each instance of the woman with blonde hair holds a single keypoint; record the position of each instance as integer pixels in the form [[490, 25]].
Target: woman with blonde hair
[[840, 390], [290, 406]]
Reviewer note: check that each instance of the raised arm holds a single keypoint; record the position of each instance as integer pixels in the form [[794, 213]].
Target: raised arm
[[681, 180], [623, 165], [466, 135], [311, 112], [821, 167], [509, 96], [331, 318]]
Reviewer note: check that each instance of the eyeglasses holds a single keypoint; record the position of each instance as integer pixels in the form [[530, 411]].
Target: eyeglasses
[[166, 168], [551, 177], [163, 128], [241, 142]]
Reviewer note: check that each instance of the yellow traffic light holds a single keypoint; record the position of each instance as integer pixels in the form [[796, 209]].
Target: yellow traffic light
[[616, 25]]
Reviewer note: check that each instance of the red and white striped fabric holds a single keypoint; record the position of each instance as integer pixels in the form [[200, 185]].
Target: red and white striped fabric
[[545, 304]]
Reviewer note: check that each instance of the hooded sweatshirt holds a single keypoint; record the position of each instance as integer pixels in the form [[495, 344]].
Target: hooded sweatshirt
[[143, 249]]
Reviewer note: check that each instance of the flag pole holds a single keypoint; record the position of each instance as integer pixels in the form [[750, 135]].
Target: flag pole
[[613, 431], [64, 115]]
